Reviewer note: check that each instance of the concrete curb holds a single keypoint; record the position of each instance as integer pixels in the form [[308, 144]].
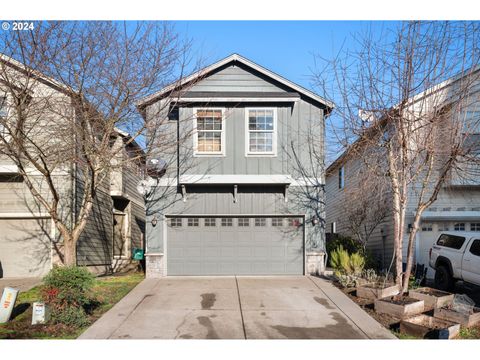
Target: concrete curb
[[368, 325], [104, 327]]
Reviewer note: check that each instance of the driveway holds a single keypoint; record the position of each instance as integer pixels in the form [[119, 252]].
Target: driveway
[[22, 284], [296, 307]]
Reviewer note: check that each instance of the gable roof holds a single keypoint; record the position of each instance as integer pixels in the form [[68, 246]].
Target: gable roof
[[234, 58], [433, 90]]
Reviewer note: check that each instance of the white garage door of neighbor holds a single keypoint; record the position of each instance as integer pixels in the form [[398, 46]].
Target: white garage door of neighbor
[[235, 246], [24, 247]]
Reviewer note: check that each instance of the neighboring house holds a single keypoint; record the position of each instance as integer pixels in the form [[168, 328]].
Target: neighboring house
[[229, 201], [457, 207], [29, 241]]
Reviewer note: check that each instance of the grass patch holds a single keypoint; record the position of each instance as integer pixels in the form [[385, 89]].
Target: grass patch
[[107, 291], [469, 333]]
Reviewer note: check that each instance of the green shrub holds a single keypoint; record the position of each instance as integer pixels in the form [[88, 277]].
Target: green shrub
[[345, 263], [351, 246], [66, 291], [357, 262], [71, 316]]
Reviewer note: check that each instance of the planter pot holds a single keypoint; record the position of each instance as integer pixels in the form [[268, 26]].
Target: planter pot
[[433, 298], [400, 308], [376, 291], [467, 320], [429, 327]]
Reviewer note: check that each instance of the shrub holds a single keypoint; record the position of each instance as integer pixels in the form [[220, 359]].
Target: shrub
[[351, 246], [71, 316], [345, 263], [66, 291]]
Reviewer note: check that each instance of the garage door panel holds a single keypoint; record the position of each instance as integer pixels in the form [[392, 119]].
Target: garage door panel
[[25, 247], [257, 249]]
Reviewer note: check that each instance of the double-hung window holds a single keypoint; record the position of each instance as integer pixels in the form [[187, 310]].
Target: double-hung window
[[261, 131], [209, 136]]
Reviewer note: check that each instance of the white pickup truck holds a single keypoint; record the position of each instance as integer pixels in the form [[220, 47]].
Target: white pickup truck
[[456, 256]]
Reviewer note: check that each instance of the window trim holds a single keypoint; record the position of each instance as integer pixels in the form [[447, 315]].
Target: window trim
[[341, 177], [272, 153], [197, 153]]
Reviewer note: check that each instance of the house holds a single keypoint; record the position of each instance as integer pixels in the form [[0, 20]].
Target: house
[[229, 197], [457, 207], [30, 243]]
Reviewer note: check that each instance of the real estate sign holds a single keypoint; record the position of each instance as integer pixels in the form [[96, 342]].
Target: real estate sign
[[7, 303]]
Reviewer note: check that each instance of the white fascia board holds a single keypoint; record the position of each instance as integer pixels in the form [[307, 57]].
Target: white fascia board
[[233, 179], [237, 57], [9, 169], [451, 215], [239, 99], [24, 215]]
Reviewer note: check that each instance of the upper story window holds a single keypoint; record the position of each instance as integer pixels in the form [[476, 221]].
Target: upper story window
[[261, 134], [3, 106], [341, 177], [209, 132]]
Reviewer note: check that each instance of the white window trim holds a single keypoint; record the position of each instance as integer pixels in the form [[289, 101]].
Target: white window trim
[[197, 153], [272, 153]]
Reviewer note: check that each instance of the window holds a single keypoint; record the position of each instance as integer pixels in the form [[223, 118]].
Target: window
[[341, 177], [427, 227], [261, 131], [475, 227], [277, 222], [210, 222], [475, 248], [260, 222], [243, 222], [3, 107], [173, 114], [176, 222], [451, 241], [209, 132], [3, 117], [227, 222], [294, 222], [459, 227], [192, 222], [443, 227]]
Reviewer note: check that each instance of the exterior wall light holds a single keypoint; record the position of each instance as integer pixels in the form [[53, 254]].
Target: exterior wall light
[[154, 221], [315, 220]]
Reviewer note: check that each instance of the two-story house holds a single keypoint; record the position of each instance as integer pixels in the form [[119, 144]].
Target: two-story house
[[229, 201], [457, 207], [30, 243]]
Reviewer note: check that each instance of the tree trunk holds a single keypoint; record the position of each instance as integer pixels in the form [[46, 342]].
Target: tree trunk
[[411, 243], [70, 251]]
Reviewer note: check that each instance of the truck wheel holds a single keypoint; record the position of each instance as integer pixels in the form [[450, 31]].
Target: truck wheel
[[443, 279]]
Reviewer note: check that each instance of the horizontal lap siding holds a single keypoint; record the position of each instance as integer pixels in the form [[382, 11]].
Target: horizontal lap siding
[[94, 245], [235, 78]]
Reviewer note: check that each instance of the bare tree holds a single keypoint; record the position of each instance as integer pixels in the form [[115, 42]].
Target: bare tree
[[403, 96], [367, 206], [69, 87]]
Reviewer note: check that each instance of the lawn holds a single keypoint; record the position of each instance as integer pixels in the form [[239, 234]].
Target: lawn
[[107, 292]]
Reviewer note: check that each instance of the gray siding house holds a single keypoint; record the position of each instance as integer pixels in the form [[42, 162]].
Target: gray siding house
[[457, 207], [29, 241], [231, 198]]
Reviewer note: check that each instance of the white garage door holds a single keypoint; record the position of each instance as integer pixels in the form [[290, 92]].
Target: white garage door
[[235, 246], [24, 247]]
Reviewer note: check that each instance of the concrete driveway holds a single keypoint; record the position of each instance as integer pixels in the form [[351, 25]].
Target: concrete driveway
[[297, 307]]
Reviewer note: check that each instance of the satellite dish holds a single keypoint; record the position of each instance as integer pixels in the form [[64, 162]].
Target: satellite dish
[[144, 187], [156, 167]]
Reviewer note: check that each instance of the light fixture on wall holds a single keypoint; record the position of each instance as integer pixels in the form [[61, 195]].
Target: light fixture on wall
[[315, 220], [154, 221]]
